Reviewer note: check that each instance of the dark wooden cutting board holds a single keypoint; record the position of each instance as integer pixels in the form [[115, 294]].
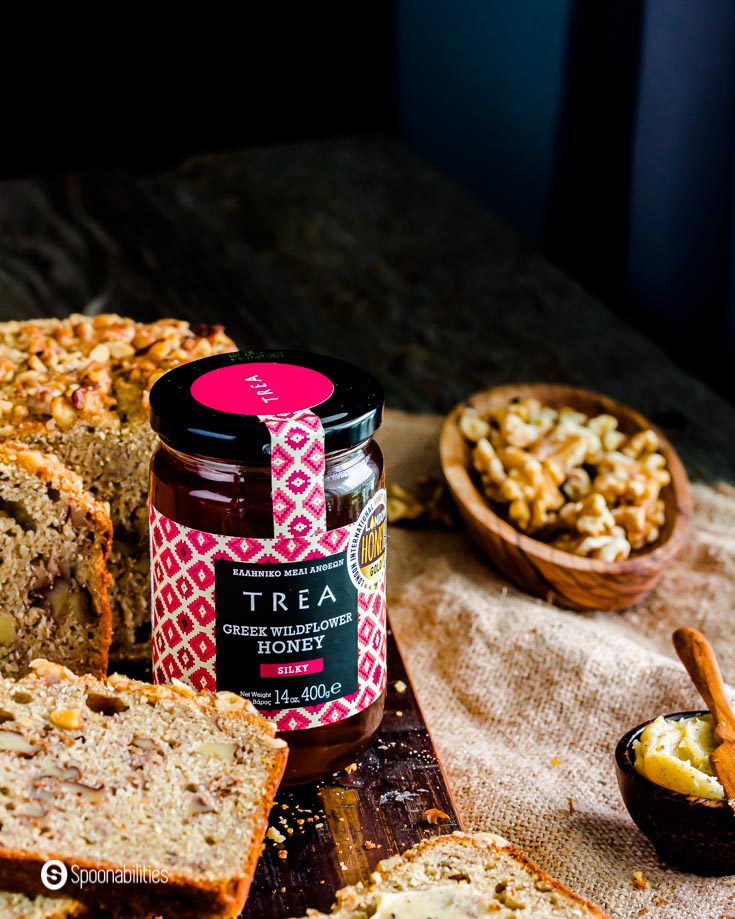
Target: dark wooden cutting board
[[342, 827]]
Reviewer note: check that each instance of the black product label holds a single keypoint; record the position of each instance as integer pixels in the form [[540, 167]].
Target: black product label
[[287, 632]]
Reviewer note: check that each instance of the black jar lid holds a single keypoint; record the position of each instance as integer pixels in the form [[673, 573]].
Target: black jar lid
[[219, 418]]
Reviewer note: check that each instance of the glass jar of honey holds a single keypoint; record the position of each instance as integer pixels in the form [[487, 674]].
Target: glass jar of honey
[[268, 544]]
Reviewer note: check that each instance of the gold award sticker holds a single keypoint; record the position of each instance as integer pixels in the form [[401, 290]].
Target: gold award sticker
[[367, 548]]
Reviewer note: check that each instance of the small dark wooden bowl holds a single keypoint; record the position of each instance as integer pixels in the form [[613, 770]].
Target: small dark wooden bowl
[[561, 577], [690, 833]]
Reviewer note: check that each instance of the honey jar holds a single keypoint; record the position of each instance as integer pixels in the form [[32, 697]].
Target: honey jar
[[268, 544]]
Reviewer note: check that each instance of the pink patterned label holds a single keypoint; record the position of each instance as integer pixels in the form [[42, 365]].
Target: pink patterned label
[[291, 622], [297, 475]]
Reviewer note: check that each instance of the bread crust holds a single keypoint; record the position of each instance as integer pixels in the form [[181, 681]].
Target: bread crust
[[91, 370], [184, 896], [180, 897]]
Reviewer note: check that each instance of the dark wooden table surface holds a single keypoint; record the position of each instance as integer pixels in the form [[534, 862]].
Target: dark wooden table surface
[[354, 249]]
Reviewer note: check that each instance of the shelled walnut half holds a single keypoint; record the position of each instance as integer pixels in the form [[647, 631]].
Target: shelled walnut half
[[573, 481]]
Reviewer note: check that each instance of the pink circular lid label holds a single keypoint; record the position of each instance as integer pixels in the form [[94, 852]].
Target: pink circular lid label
[[262, 388]]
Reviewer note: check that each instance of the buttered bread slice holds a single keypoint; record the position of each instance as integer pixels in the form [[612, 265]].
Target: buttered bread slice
[[114, 773], [54, 542], [459, 876]]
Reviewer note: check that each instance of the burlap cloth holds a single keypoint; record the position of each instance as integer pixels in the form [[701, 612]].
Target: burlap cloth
[[526, 702]]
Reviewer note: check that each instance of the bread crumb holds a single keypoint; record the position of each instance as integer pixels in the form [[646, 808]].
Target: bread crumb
[[400, 714], [640, 882], [372, 845], [282, 853], [351, 768], [433, 815], [400, 686], [275, 835]]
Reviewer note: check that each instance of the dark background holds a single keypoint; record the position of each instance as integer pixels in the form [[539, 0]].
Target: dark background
[[604, 133], [143, 96]]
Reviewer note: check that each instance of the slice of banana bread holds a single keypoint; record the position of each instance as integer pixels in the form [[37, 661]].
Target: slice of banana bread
[[19, 906], [54, 542], [103, 774], [459, 875], [78, 387]]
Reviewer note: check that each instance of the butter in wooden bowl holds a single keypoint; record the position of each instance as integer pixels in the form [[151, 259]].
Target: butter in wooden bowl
[[666, 779], [675, 753]]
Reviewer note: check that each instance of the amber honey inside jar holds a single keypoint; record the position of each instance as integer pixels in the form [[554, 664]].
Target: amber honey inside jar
[[268, 519]]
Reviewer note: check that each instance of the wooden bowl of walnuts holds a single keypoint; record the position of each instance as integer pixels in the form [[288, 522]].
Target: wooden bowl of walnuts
[[575, 497]]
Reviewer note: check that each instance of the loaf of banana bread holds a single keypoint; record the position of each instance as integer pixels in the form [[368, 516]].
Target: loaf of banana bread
[[54, 543], [78, 387]]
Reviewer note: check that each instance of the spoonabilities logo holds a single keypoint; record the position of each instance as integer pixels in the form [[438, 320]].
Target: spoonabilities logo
[[54, 874]]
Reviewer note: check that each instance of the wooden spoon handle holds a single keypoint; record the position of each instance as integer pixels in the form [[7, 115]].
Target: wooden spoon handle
[[699, 659]]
